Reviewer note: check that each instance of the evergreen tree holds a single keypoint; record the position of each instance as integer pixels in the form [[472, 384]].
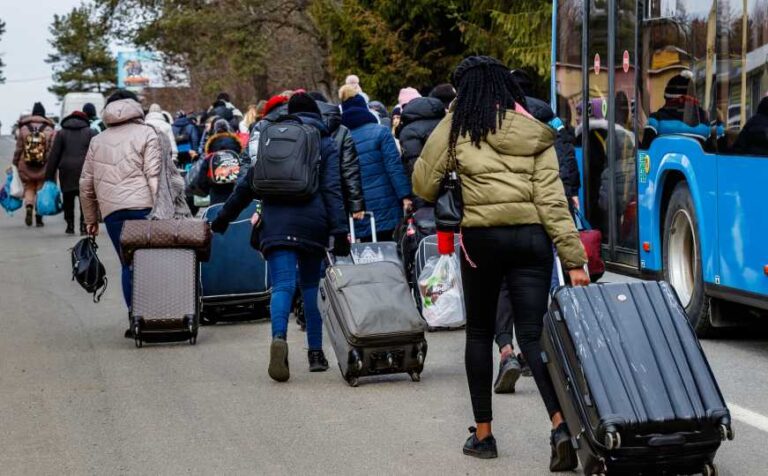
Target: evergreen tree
[[81, 59]]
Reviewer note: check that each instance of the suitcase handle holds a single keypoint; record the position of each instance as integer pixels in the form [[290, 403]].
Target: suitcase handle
[[352, 228], [560, 275]]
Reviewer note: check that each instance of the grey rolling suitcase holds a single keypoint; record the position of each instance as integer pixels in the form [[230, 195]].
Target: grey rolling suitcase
[[634, 385], [372, 321], [165, 302]]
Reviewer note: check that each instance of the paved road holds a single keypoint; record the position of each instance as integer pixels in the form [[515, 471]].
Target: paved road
[[77, 398]]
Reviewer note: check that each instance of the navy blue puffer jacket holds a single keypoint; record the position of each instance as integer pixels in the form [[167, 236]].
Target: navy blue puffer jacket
[[306, 226], [385, 183]]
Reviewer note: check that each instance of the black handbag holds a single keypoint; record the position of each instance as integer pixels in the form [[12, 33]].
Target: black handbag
[[87, 269], [449, 206]]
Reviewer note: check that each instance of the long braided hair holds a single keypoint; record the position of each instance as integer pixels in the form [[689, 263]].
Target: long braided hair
[[485, 90]]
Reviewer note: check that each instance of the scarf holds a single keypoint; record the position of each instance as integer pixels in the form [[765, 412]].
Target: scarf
[[170, 201]]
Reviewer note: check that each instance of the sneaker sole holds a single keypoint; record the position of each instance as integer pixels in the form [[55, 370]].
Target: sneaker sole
[[566, 456], [321, 368], [507, 381], [278, 361], [480, 455]]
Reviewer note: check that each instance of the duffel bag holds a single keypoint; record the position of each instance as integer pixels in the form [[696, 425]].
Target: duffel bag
[[174, 233]]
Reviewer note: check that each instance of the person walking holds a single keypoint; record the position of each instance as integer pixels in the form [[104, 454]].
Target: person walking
[[419, 118], [351, 183], [156, 118], [66, 159], [93, 118], [386, 187], [33, 144], [514, 208], [187, 138], [293, 237], [120, 175]]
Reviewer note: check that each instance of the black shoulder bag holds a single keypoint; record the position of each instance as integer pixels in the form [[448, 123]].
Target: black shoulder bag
[[449, 206]]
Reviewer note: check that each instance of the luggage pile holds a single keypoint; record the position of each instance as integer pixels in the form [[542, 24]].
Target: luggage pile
[[166, 292]]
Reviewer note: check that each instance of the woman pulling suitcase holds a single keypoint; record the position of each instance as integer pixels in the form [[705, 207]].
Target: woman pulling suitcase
[[514, 208], [295, 232]]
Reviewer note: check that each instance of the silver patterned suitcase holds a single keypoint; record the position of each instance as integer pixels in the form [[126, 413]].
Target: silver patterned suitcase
[[165, 302]]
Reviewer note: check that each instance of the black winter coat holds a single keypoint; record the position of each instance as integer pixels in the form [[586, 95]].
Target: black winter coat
[[68, 152], [753, 138], [566, 154], [419, 118], [305, 226], [351, 182]]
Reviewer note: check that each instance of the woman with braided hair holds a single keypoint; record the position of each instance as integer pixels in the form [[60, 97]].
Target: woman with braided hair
[[514, 208]]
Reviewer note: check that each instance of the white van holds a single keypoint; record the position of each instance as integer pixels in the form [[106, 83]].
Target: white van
[[75, 101]]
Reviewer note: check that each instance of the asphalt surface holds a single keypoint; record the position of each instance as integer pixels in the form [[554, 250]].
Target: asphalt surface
[[78, 398]]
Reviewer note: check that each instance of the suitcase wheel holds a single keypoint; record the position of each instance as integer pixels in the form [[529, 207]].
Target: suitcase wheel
[[192, 334], [352, 381], [709, 470], [726, 432], [420, 358], [415, 376], [612, 440], [137, 336]]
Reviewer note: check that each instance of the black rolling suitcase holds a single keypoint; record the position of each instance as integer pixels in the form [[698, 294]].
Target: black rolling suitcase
[[635, 387]]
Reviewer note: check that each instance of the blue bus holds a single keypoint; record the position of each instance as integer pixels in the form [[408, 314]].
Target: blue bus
[[668, 103]]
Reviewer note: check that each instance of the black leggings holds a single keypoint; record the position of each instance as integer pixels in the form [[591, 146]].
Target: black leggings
[[523, 256]]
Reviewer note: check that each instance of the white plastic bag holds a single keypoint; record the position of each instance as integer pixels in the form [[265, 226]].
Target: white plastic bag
[[17, 188], [442, 298]]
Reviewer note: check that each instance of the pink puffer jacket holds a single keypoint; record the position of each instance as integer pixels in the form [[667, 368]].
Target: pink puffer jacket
[[122, 166]]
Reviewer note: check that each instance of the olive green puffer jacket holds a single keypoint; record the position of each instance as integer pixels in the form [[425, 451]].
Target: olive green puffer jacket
[[512, 179]]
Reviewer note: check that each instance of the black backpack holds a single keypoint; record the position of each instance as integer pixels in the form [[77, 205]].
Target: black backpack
[[287, 162], [87, 268]]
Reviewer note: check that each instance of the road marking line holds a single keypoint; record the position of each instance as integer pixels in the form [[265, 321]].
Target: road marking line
[[749, 417]]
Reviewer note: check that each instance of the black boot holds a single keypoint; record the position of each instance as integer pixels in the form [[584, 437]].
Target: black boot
[[28, 217], [39, 221], [70, 227], [317, 361]]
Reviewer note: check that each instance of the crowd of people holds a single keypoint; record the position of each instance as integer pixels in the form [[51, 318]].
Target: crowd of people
[[514, 159]]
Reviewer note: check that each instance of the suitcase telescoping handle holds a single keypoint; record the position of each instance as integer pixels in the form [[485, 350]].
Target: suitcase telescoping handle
[[560, 275], [374, 236]]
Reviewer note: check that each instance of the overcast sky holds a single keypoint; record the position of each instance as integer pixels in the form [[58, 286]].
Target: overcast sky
[[24, 47]]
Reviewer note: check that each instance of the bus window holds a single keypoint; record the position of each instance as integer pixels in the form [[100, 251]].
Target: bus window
[[742, 82], [568, 50], [677, 70]]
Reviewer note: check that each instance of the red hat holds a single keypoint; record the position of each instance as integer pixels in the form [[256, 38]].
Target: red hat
[[274, 102], [80, 114]]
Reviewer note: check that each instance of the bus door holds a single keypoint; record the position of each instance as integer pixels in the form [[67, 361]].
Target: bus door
[[609, 164]]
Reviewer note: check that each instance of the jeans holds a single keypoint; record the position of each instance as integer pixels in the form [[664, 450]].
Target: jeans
[[114, 223], [69, 206], [521, 255], [283, 272]]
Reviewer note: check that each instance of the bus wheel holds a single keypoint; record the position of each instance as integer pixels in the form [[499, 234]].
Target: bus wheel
[[682, 259]]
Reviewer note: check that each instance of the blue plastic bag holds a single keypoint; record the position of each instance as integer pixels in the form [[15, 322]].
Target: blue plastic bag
[[49, 201], [9, 203]]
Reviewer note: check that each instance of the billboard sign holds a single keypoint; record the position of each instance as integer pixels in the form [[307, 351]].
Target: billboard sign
[[139, 69]]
